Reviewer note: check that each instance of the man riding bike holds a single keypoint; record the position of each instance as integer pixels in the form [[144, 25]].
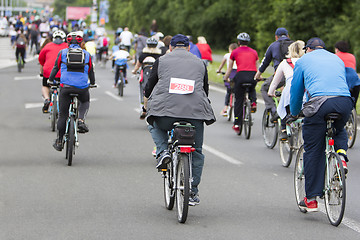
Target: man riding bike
[[76, 68]]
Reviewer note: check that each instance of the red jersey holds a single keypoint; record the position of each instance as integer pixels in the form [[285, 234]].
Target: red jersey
[[48, 55], [348, 59], [205, 51], [245, 58]]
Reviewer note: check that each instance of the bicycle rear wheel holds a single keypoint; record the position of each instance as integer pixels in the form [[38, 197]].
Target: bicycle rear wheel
[[286, 151], [269, 129], [169, 194], [247, 121], [335, 190], [71, 141], [121, 85], [230, 113], [183, 187], [53, 113], [299, 178], [19, 64], [351, 127]]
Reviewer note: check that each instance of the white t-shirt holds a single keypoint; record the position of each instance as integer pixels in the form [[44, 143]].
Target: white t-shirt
[[126, 37], [227, 57]]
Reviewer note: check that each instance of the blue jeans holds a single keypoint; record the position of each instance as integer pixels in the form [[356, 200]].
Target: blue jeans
[[314, 130], [159, 132]]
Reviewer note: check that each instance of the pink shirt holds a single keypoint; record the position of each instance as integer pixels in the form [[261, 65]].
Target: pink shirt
[[245, 58]]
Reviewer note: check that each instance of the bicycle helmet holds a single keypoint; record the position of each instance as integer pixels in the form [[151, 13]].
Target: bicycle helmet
[[122, 46], [151, 42], [59, 34], [243, 37], [74, 37]]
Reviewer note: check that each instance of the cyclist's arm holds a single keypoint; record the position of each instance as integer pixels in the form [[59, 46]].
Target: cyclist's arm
[[221, 65], [153, 79], [91, 72], [228, 71], [56, 67], [297, 90], [279, 74]]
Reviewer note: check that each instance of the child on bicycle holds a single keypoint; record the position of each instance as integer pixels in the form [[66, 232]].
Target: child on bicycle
[[226, 59], [20, 43], [121, 57]]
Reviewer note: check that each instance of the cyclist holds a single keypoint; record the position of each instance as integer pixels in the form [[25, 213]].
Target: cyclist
[[47, 57], [322, 74], [20, 43], [226, 59], [166, 106], [126, 37], [76, 67], [246, 59], [276, 52], [120, 57], [102, 45], [286, 69]]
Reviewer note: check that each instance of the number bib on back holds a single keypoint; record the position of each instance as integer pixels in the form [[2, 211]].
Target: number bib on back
[[181, 86]]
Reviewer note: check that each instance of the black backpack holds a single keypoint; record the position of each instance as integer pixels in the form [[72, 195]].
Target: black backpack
[[284, 48], [75, 60]]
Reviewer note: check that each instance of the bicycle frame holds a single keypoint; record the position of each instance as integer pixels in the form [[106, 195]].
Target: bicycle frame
[[54, 95], [72, 113]]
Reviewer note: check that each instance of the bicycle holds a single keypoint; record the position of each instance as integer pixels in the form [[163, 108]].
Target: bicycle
[[351, 128], [270, 129], [291, 146], [247, 121], [334, 182], [178, 174], [121, 81], [54, 105]]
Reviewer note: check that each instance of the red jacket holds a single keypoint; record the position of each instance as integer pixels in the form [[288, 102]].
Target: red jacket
[[205, 51], [48, 55]]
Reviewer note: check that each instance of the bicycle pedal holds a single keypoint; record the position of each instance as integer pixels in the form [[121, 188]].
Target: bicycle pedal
[[162, 170]]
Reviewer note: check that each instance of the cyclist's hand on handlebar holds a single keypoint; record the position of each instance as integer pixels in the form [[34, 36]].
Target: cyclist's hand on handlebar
[[291, 118], [93, 85]]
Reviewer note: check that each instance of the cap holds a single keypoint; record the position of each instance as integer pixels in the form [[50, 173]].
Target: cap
[[281, 31], [315, 43], [179, 40]]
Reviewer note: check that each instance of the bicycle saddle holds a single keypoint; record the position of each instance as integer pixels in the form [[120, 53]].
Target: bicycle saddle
[[246, 85], [74, 95], [333, 116]]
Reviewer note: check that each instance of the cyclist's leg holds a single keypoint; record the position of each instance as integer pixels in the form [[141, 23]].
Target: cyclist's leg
[[159, 132], [17, 52], [355, 93], [269, 102], [117, 73], [84, 102], [239, 98], [22, 52]]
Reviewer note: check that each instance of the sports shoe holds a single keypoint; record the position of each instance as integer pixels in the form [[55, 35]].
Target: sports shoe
[[154, 152], [58, 144], [223, 113], [344, 158], [194, 199], [82, 127], [45, 108], [345, 166], [163, 160], [236, 128], [126, 81], [283, 135], [253, 107], [274, 117], [143, 115], [311, 206]]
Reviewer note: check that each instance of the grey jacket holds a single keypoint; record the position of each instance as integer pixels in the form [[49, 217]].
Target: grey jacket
[[180, 64]]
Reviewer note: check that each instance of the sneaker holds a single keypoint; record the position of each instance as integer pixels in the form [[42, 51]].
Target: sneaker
[[163, 160], [126, 81], [142, 115], [223, 113], [194, 200], [58, 144], [45, 108], [236, 128], [253, 107], [311, 206], [283, 135], [154, 152], [82, 127], [345, 166], [274, 117], [344, 158]]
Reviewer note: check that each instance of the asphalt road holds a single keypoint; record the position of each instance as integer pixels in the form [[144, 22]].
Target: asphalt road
[[113, 190]]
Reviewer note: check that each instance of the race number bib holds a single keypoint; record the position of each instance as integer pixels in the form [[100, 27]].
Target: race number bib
[[181, 86]]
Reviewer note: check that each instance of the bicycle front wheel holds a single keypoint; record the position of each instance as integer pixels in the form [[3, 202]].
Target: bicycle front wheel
[[247, 121], [182, 187], [299, 178], [351, 127], [71, 141], [335, 189], [286, 151], [269, 129], [19, 65], [169, 194]]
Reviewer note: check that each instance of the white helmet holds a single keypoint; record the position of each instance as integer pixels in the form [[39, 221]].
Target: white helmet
[[60, 34]]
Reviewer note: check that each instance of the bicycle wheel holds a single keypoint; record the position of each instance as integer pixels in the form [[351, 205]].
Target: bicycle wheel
[[247, 121], [335, 189], [183, 187], [71, 141], [169, 195], [269, 129], [19, 64], [53, 113], [299, 178], [121, 85], [351, 127], [286, 151], [230, 113]]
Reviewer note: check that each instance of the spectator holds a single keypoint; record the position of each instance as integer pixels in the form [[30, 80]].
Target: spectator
[[205, 50]]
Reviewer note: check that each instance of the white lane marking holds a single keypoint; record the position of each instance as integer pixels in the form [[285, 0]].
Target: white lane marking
[[38, 105], [352, 224], [221, 155], [114, 96], [27, 78], [221, 90], [138, 110]]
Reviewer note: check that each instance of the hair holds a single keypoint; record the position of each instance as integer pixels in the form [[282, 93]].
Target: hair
[[201, 40], [167, 40], [342, 46], [47, 40], [241, 42], [296, 49], [233, 46]]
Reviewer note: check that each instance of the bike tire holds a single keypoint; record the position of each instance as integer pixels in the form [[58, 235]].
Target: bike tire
[[351, 128], [71, 141], [335, 193], [230, 110], [299, 178], [247, 120], [269, 129], [19, 65], [121, 85], [286, 151], [169, 192], [183, 187]]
